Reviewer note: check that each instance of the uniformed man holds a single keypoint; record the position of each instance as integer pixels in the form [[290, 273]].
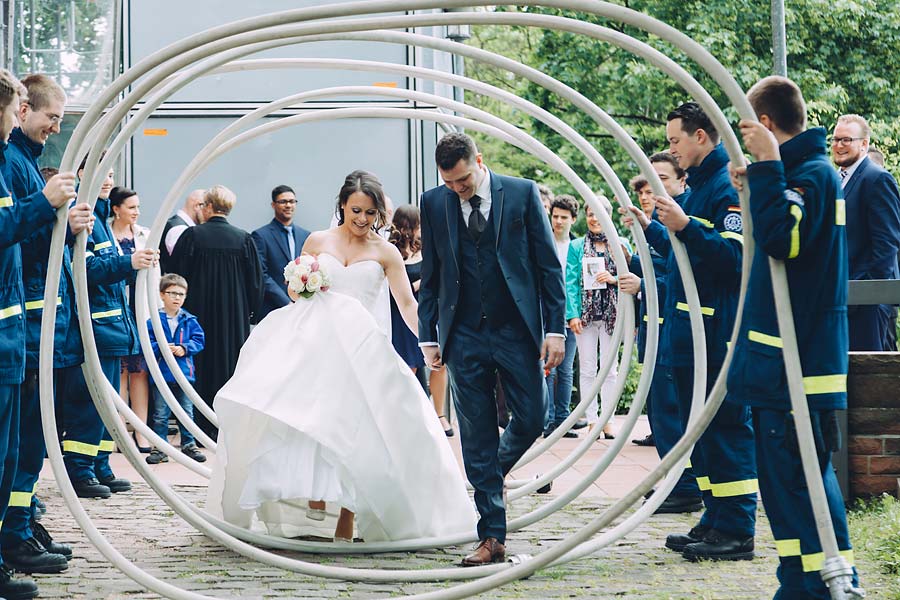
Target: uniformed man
[[710, 227], [26, 545], [21, 217], [662, 402], [798, 217], [87, 444]]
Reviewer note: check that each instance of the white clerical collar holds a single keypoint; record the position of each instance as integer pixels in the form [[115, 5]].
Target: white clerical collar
[[186, 217]]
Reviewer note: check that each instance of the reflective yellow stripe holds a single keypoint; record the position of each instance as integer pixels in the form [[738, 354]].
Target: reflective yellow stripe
[[6, 202], [762, 338], [107, 446], [688, 465], [20, 499], [825, 384], [36, 304], [706, 310], [10, 311], [735, 488], [814, 562], [730, 235], [102, 245], [840, 213], [788, 547], [34, 489], [108, 313], [703, 221], [647, 319], [795, 231], [80, 448], [703, 484]]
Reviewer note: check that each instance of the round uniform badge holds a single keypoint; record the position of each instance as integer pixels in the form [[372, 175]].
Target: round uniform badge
[[733, 222]]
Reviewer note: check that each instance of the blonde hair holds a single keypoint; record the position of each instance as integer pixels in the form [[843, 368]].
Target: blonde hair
[[220, 199], [864, 129], [9, 88], [42, 91]]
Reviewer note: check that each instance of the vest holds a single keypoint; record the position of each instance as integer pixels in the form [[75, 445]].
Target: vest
[[484, 297], [164, 255]]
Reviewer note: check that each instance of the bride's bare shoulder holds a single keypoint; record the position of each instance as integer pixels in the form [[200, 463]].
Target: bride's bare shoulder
[[317, 240]]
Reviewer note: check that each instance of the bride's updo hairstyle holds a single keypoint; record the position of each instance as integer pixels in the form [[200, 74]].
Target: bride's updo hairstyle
[[404, 230], [368, 184]]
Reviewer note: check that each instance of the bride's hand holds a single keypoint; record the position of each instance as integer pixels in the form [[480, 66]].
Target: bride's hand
[[292, 294]]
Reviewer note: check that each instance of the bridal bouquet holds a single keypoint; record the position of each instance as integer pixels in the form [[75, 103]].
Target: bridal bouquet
[[305, 276]]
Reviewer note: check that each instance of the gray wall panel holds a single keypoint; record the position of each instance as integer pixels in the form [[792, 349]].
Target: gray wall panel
[[312, 158], [153, 27]]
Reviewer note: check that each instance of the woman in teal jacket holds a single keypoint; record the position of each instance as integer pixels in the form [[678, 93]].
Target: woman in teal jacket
[[591, 310]]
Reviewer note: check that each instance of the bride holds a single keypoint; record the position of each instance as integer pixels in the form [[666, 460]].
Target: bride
[[322, 421]]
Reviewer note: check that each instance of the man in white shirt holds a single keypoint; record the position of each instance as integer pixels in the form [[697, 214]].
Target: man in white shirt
[[189, 215]]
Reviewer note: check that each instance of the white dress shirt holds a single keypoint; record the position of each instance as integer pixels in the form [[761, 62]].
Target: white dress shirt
[[851, 170], [173, 234]]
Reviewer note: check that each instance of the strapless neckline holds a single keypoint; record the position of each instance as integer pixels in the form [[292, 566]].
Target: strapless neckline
[[341, 263]]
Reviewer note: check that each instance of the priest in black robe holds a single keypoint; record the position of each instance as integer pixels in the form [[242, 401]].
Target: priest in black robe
[[225, 292]]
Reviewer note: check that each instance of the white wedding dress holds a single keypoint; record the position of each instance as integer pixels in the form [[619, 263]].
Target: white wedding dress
[[321, 407]]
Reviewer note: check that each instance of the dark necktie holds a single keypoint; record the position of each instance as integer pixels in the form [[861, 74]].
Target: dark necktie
[[843, 173], [476, 219]]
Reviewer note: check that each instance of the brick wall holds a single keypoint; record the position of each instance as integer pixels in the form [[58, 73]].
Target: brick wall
[[873, 416]]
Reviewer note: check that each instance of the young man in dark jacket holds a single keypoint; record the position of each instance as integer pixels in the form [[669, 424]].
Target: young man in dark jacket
[[798, 217]]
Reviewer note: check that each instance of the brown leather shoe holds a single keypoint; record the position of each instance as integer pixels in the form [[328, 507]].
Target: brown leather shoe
[[488, 551]]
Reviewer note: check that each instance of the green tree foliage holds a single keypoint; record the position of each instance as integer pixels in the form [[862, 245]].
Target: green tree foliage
[[844, 54]]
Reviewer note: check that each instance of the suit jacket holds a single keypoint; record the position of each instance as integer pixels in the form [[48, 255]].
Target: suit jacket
[[272, 245], [525, 251], [873, 222]]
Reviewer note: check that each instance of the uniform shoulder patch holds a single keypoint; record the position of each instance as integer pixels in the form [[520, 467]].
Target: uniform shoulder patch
[[794, 195], [734, 209], [733, 222]]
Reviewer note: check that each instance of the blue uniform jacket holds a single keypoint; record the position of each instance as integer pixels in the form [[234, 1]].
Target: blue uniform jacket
[[188, 334], [108, 272], [714, 241], [22, 174], [659, 270], [18, 220], [798, 217]]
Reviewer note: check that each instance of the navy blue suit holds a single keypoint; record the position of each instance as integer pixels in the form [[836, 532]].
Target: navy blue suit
[[873, 239], [274, 253], [488, 302]]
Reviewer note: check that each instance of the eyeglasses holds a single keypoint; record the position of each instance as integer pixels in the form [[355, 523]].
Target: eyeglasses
[[283, 202], [836, 141], [54, 119], [175, 294]]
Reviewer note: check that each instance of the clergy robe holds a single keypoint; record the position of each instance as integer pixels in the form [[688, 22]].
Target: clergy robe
[[225, 292]]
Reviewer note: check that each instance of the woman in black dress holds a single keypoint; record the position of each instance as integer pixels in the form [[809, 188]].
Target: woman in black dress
[[405, 235]]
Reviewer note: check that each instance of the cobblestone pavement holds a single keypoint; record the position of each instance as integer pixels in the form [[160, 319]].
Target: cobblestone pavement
[[141, 527]]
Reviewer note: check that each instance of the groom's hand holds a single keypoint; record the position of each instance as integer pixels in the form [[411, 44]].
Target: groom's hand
[[553, 351], [432, 356]]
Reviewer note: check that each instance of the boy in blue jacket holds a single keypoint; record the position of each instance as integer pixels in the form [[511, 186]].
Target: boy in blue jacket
[[185, 338], [798, 217]]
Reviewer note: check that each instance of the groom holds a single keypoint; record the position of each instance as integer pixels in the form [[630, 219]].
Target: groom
[[489, 274]]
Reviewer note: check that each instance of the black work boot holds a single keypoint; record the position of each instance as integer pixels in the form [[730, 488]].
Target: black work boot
[[679, 504], [43, 536], [717, 545], [678, 541], [31, 557], [116, 484], [91, 488], [16, 589]]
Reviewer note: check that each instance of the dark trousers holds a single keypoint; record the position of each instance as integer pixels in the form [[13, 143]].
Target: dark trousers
[[786, 500], [32, 450], [872, 328], [723, 461], [474, 359], [86, 443], [665, 423], [9, 441]]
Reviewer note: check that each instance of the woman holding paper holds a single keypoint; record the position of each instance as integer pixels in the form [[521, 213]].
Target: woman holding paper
[[591, 296]]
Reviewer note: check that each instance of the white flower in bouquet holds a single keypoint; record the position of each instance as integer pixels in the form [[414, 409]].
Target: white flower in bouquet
[[305, 276]]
